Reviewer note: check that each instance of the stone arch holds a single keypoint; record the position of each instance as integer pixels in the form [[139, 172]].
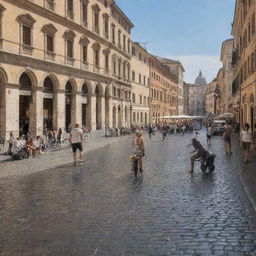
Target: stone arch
[[31, 75], [86, 92], [70, 103], [107, 105], [55, 80], [3, 76], [98, 91]]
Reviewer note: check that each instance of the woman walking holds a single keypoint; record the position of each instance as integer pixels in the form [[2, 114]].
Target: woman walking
[[246, 139]]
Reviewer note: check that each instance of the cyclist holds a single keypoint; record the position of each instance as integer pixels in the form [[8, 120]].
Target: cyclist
[[200, 153], [139, 149]]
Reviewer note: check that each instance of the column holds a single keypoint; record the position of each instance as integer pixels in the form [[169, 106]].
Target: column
[[59, 109], [103, 118], [92, 111], [11, 110], [36, 112], [76, 109], [110, 112]]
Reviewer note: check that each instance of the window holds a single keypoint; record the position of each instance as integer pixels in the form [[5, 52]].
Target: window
[[69, 48], [69, 36], [84, 53], [129, 46], [96, 23], [145, 100], [140, 78], [26, 36], [144, 80], [2, 9], [119, 93], [106, 25], [140, 99], [124, 70], [49, 34], [119, 68], [114, 66], [113, 33], [84, 12], [133, 98], [26, 25], [106, 62], [124, 42], [119, 38], [133, 51], [96, 58], [133, 76], [70, 9], [49, 43]]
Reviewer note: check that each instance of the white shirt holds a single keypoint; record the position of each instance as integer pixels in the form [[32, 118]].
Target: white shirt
[[246, 135], [76, 134]]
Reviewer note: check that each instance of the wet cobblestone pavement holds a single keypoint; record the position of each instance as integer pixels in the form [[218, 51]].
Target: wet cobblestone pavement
[[95, 209]]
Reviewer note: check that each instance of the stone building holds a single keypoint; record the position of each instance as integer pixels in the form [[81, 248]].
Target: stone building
[[220, 93], [244, 61], [196, 105], [63, 62], [163, 90], [211, 98], [140, 85], [226, 59], [186, 98], [177, 68]]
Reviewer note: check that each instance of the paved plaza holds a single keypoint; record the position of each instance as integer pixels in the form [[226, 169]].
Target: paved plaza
[[95, 209]]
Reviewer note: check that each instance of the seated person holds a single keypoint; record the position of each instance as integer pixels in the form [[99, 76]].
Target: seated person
[[31, 147], [16, 147]]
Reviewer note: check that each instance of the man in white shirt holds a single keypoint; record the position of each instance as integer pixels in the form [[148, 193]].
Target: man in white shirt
[[76, 138]]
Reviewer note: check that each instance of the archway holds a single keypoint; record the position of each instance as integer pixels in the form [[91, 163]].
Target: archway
[[98, 108], [25, 99], [85, 110], [68, 103], [48, 90], [146, 119], [114, 117]]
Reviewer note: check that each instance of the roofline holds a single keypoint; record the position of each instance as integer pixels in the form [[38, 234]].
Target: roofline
[[138, 44], [222, 47], [178, 62], [114, 5]]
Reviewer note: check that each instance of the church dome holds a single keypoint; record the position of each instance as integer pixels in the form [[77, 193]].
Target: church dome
[[201, 80]]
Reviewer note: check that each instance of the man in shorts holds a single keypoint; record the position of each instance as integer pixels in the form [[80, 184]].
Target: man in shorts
[[76, 138]]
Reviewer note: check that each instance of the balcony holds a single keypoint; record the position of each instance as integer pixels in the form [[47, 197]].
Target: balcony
[[49, 4], [96, 69], [70, 14], [70, 61], [84, 65], [50, 56], [26, 49]]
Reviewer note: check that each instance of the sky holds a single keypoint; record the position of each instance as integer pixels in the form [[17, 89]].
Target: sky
[[190, 31]]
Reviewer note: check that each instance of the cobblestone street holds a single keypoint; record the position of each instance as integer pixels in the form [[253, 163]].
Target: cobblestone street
[[94, 209]]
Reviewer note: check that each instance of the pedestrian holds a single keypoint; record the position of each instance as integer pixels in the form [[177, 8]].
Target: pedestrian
[[150, 131], [11, 141], [227, 135], [76, 138], [246, 139], [59, 137], [139, 148], [209, 135]]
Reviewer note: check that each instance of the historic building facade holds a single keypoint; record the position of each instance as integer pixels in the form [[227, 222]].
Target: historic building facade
[[226, 59], [163, 90], [196, 104], [211, 98], [140, 85], [244, 61], [63, 62], [177, 68]]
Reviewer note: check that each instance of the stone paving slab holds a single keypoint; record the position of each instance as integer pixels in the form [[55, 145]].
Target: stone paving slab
[[94, 210], [52, 159]]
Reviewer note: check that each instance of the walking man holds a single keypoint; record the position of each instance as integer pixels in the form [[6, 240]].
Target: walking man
[[76, 138], [227, 138]]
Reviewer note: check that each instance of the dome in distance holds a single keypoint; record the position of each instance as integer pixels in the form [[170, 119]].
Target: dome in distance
[[201, 80]]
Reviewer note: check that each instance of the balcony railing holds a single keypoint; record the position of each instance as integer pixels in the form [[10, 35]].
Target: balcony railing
[[50, 55], [70, 14], [49, 4], [70, 61], [84, 65], [26, 49], [96, 69]]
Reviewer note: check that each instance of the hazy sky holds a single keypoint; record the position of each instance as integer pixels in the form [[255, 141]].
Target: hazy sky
[[187, 30]]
